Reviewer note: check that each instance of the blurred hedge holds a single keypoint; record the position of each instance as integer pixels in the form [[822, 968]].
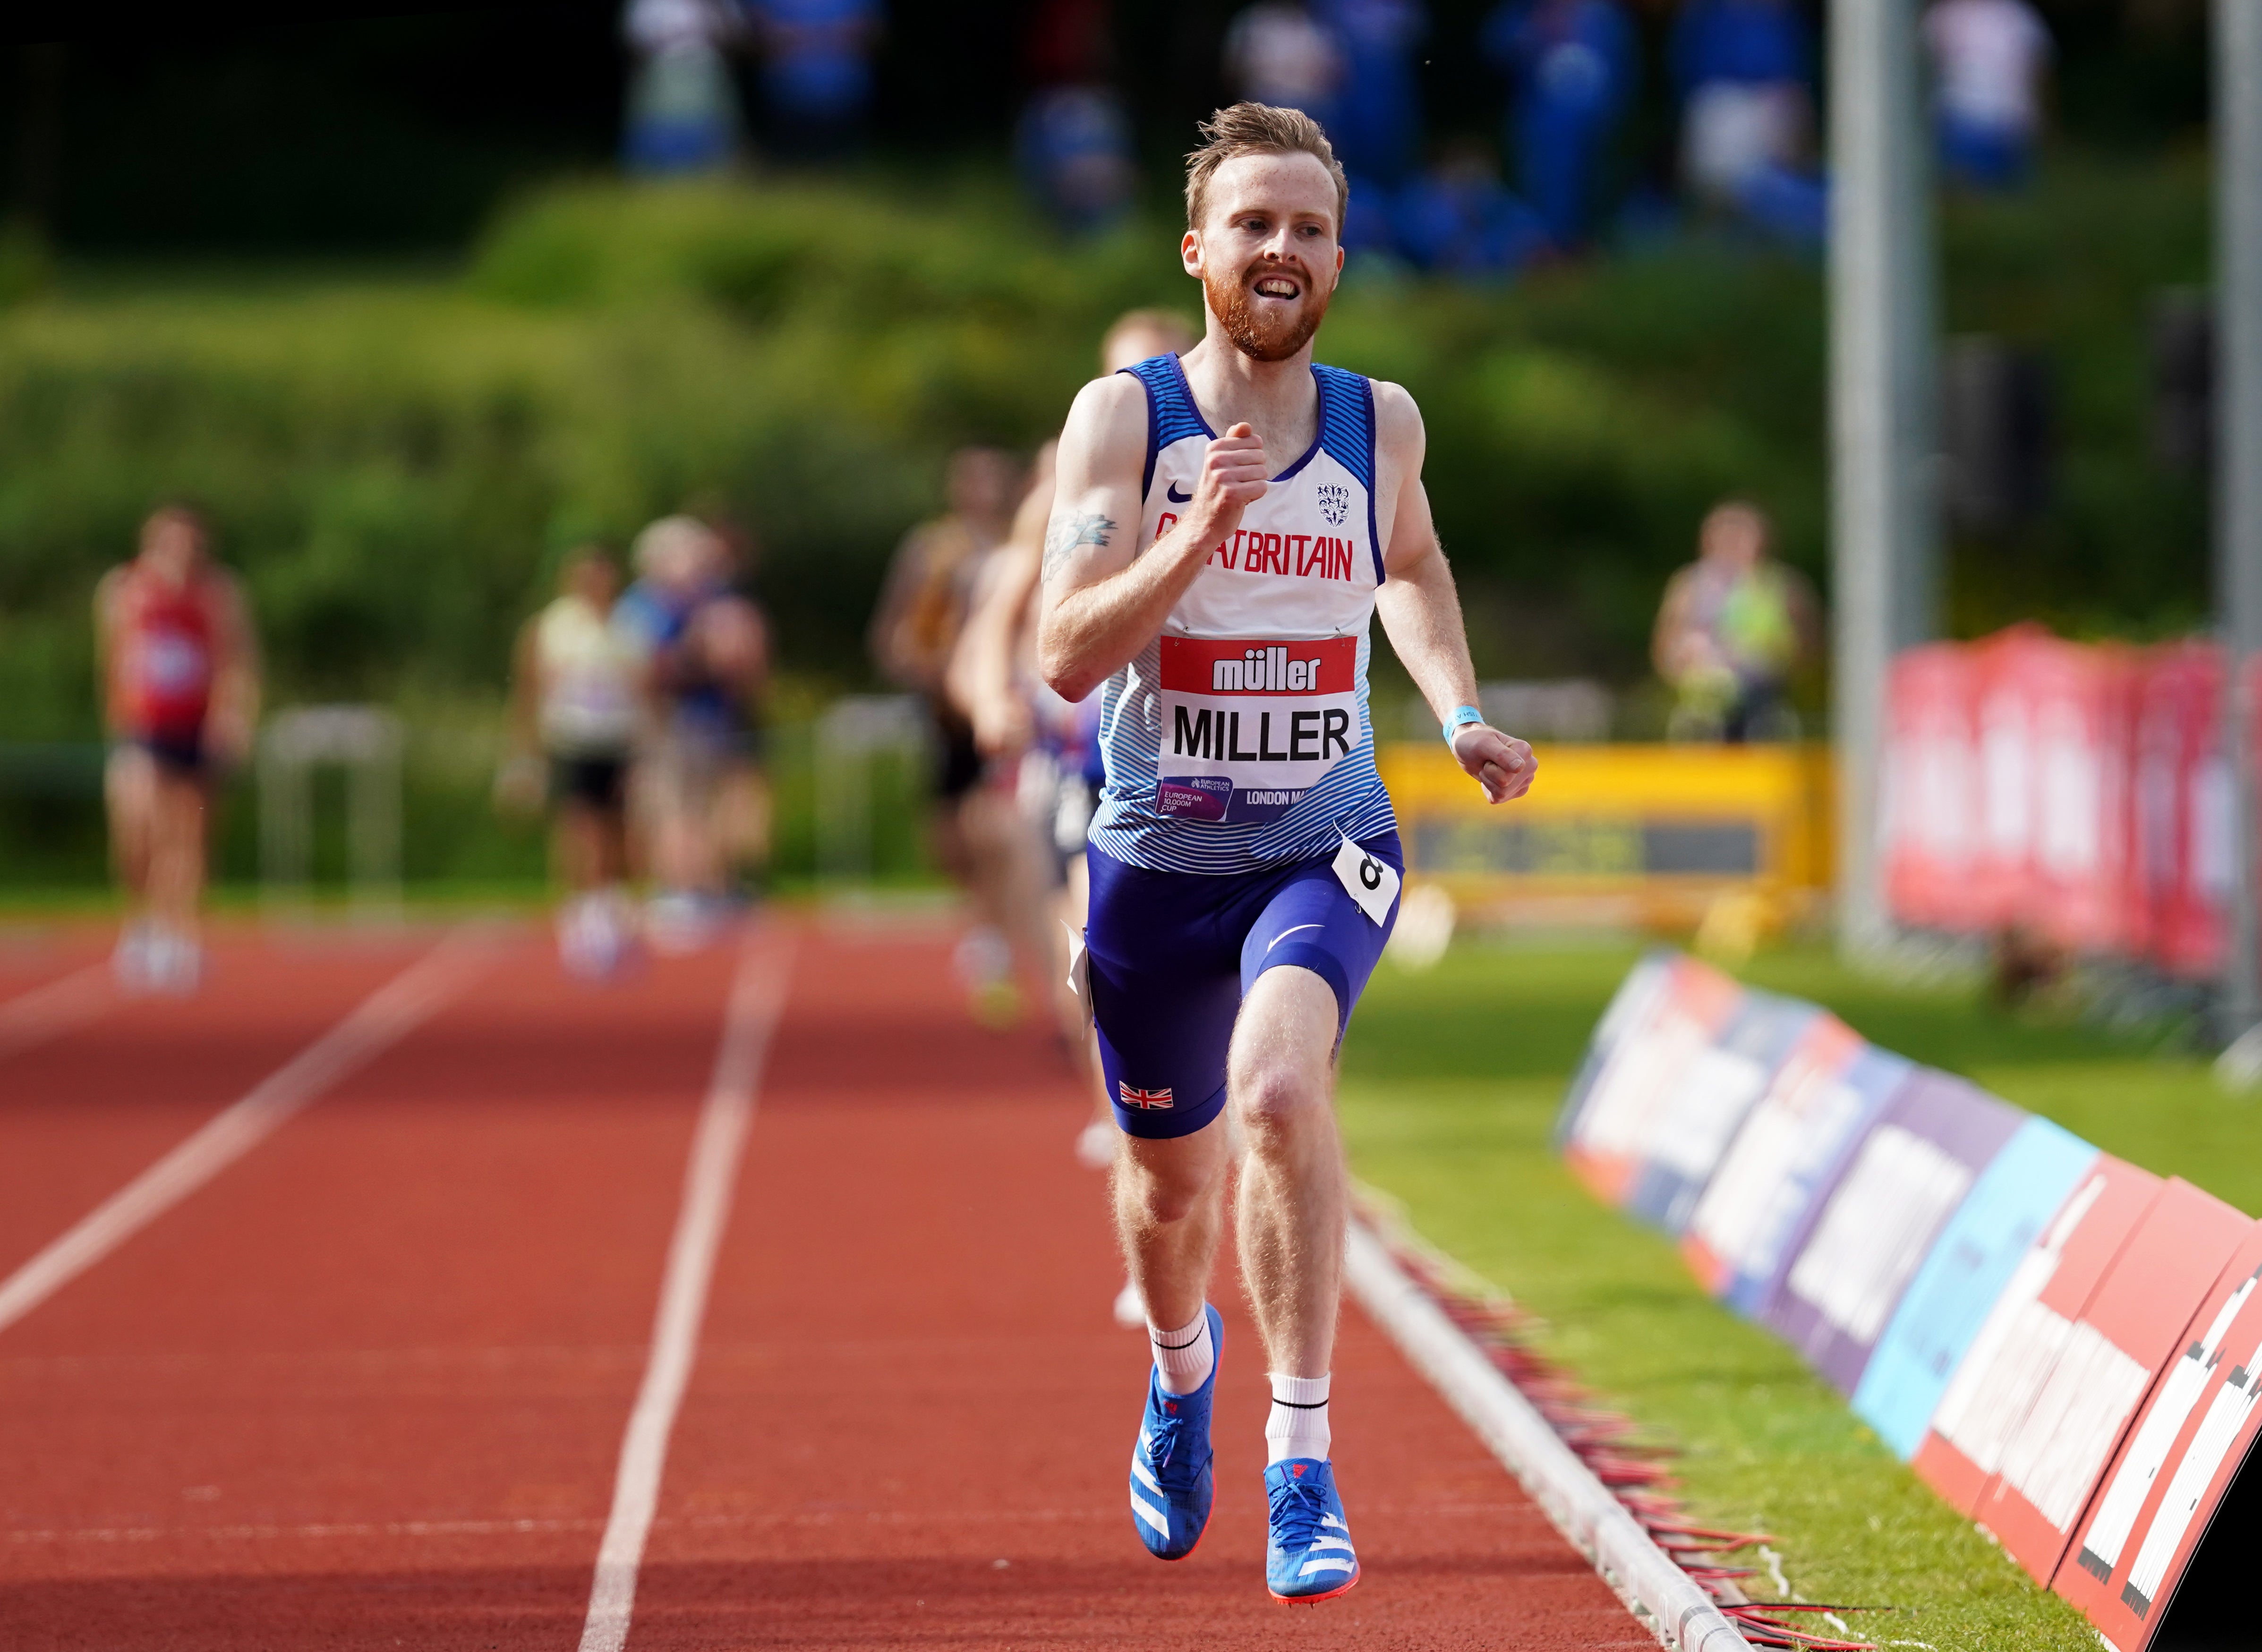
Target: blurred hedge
[[395, 459]]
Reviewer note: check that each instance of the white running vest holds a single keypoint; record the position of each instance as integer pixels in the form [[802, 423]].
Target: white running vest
[[1239, 738]]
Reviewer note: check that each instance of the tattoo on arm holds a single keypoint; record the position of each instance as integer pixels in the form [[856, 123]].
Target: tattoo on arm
[[1063, 538]]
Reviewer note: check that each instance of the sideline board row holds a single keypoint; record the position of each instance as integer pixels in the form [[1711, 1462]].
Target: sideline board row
[[2068, 1348]]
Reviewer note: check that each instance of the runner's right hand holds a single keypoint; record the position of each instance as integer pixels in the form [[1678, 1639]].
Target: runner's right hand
[[1234, 476]]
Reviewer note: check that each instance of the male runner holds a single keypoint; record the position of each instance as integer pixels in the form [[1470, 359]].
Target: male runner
[[1244, 861], [180, 673]]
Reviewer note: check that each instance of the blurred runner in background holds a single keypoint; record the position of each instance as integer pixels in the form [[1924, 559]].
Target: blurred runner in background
[[980, 839], [1051, 745], [180, 681], [707, 654], [577, 704], [743, 816], [1735, 624]]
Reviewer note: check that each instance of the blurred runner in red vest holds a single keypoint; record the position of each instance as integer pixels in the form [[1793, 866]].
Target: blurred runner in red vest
[[180, 677]]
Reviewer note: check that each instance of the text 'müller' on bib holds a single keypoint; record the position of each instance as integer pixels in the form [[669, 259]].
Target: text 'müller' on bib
[[1250, 725]]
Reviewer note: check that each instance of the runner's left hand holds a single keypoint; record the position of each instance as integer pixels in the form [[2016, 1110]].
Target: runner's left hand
[[1500, 764]]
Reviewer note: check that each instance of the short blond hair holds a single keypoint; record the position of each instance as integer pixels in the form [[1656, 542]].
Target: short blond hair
[[1246, 129]]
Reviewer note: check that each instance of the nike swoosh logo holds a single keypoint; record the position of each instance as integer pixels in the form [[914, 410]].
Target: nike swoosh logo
[[1174, 496]]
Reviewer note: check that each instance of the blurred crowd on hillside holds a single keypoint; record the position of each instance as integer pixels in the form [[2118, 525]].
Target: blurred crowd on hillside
[[1742, 77]]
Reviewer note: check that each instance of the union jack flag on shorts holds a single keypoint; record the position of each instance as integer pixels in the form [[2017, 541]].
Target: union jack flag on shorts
[[1154, 1100]]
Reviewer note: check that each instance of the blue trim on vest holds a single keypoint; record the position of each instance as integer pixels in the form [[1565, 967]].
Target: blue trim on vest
[[1171, 415], [1373, 535], [1154, 419], [1347, 420]]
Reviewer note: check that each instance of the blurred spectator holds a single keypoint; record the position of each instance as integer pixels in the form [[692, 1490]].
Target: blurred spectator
[[682, 106], [577, 707], [1744, 69], [1735, 624], [1571, 67], [816, 70], [1277, 53], [1376, 131], [1460, 219], [707, 660], [1989, 56], [1074, 148]]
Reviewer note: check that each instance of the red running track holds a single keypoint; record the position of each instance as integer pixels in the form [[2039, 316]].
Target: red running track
[[367, 1388]]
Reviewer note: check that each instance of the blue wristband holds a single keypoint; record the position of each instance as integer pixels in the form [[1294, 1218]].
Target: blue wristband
[[1462, 718]]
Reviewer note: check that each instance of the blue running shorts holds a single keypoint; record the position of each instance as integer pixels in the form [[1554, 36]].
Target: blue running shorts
[[1172, 953]]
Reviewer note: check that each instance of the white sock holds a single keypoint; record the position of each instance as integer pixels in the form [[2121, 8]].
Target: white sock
[[1298, 1425], [1184, 1356]]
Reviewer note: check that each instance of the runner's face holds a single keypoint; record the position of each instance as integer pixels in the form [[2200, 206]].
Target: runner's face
[[1266, 253]]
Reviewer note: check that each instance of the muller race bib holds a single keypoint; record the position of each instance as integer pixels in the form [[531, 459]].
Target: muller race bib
[[1249, 726]]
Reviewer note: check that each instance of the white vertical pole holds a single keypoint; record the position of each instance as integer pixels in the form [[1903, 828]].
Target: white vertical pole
[[2238, 458], [1881, 416]]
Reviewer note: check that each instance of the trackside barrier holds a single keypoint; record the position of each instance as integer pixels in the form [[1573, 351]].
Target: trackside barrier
[[2066, 1347], [1648, 835], [2080, 792]]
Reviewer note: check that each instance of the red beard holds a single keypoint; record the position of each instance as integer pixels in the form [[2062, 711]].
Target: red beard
[[1272, 333]]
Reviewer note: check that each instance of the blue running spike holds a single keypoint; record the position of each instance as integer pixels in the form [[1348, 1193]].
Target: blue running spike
[[1308, 1554], [1170, 1480]]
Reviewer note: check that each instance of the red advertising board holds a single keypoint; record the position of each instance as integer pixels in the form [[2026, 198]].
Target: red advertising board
[[2078, 701], [2012, 1359], [2175, 1465], [1998, 891], [1930, 790], [2112, 1353], [2180, 808]]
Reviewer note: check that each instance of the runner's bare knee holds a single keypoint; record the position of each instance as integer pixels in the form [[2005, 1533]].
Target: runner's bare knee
[[1169, 1180]]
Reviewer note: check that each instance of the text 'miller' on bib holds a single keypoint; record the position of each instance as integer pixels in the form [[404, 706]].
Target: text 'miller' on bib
[[1248, 727]]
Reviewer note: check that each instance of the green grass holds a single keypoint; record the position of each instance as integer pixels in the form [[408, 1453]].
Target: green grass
[[1451, 1081]]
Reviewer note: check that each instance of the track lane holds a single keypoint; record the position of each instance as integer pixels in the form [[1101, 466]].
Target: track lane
[[367, 1390], [52, 984], [85, 1112], [910, 1376]]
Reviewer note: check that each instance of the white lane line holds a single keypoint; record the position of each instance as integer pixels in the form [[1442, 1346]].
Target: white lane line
[[61, 1005], [384, 1017], [756, 998]]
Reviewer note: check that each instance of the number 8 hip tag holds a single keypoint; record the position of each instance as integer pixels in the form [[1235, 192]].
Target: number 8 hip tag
[[1367, 880]]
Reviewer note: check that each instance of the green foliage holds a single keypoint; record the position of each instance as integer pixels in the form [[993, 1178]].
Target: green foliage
[[1452, 1082], [396, 460]]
